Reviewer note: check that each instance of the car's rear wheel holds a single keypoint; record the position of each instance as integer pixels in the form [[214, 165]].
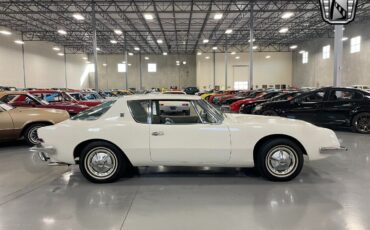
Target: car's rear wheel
[[361, 123], [269, 113], [279, 159], [102, 162], [30, 133]]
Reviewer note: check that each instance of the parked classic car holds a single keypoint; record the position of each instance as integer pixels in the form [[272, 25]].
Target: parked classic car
[[53, 96], [331, 106], [16, 123], [235, 107], [247, 108], [191, 90], [24, 99], [106, 141]]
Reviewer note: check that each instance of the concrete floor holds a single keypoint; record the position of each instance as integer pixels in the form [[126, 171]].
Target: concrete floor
[[329, 194]]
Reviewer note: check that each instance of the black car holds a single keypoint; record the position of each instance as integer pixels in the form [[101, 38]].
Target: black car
[[331, 106], [191, 90], [249, 107]]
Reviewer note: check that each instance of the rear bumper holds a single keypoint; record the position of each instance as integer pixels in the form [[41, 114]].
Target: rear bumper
[[44, 152], [331, 150]]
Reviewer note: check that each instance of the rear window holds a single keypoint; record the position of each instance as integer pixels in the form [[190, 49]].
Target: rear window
[[95, 112]]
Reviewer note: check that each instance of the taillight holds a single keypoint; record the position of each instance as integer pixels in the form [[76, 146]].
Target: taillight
[[185, 104]]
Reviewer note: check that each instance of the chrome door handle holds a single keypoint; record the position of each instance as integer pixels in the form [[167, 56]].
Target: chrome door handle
[[159, 133]]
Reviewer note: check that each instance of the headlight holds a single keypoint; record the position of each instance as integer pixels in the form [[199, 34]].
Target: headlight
[[258, 107]]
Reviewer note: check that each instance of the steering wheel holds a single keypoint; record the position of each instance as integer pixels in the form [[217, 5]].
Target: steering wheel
[[169, 121]]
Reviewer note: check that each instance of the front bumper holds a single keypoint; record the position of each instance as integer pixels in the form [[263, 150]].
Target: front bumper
[[44, 152], [330, 150]]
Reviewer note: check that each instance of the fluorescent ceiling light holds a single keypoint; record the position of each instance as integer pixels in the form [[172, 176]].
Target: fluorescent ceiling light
[[207, 57], [233, 53], [302, 51], [283, 30], [56, 48], [113, 41], [137, 48], [164, 53], [148, 16], [217, 16], [159, 41], [199, 53], [104, 64], [214, 48], [344, 38], [268, 57], [97, 48], [62, 32], [253, 40], [78, 16], [255, 47], [118, 32], [237, 57], [5, 32], [85, 58], [293, 47], [184, 62], [287, 15], [131, 54], [129, 64], [205, 41], [19, 42], [61, 54], [146, 58], [228, 31]]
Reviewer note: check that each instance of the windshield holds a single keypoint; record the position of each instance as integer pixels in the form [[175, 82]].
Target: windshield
[[6, 107], [92, 96], [77, 96], [95, 112]]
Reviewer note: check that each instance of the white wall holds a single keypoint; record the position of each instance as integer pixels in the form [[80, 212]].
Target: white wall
[[43, 67], [276, 70]]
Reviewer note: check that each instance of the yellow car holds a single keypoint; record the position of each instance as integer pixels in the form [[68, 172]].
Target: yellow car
[[121, 92]]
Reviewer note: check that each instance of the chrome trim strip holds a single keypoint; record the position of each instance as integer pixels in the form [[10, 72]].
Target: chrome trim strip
[[329, 150]]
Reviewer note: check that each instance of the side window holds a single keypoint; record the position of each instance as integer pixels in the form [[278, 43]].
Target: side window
[[8, 98], [172, 112], [139, 110], [205, 115], [314, 97], [344, 95]]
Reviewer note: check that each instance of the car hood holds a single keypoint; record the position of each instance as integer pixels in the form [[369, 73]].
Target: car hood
[[262, 120], [66, 104]]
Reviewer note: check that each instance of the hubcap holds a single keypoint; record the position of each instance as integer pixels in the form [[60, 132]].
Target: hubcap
[[32, 135], [363, 123], [101, 163], [281, 161]]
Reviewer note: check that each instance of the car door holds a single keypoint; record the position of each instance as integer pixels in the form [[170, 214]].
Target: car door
[[308, 107], [339, 105], [185, 137], [7, 131]]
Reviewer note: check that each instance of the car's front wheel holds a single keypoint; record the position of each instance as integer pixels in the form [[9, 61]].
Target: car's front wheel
[[30, 133], [279, 159], [102, 162], [361, 123]]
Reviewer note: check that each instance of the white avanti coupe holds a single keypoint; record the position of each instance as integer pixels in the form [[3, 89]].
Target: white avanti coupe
[[108, 140]]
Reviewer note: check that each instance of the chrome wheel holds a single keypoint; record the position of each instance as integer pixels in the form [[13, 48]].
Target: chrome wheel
[[363, 123], [32, 135], [281, 161], [100, 163]]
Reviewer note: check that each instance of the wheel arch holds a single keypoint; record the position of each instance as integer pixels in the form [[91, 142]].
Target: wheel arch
[[263, 140], [27, 125], [77, 150]]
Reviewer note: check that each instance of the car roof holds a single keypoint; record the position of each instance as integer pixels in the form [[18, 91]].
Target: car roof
[[153, 96]]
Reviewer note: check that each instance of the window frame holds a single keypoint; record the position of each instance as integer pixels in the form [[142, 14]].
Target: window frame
[[354, 92], [148, 118]]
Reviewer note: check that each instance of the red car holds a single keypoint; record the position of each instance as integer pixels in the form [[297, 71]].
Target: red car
[[53, 96], [212, 97], [234, 107], [81, 98], [25, 99]]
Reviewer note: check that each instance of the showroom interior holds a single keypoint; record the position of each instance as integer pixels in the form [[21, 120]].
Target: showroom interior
[[86, 70]]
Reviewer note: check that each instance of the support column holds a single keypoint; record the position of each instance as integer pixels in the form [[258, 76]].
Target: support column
[[65, 66], [251, 37], [94, 47], [126, 62], [226, 62], [214, 69], [24, 66], [141, 77], [338, 55]]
